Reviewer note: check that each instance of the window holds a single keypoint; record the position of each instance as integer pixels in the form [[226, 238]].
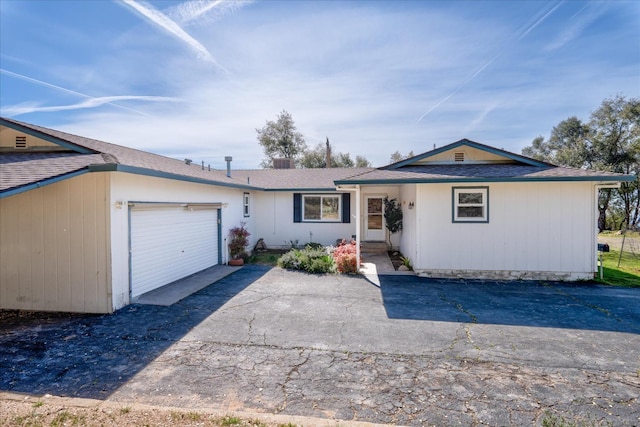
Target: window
[[245, 204], [321, 208], [470, 204]]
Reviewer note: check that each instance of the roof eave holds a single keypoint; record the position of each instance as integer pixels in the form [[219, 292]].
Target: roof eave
[[116, 167], [49, 138], [473, 144], [625, 178]]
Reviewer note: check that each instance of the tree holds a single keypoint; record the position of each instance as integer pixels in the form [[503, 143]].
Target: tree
[[397, 156], [280, 139], [392, 216], [317, 158], [610, 141], [362, 162]]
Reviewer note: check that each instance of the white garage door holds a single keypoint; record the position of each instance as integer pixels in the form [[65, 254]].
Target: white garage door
[[169, 243]]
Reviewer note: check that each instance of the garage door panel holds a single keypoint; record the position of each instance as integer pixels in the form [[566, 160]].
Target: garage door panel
[[168, 244]]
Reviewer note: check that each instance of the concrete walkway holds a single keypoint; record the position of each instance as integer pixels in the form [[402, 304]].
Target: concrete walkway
[[180, 289]]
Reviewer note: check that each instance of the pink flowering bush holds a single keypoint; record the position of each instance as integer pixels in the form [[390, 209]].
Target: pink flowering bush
[[345, 257]]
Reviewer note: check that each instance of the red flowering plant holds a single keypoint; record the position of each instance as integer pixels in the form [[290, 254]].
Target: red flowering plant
[[345, 257], [239, 239]]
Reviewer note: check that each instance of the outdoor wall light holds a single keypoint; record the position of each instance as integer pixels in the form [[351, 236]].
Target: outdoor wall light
[[119, 204], [411, 205]]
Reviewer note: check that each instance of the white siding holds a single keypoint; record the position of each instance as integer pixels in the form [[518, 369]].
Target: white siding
[[409, 235], [533, 227], [54, 247], [273, 221], [130, 188]]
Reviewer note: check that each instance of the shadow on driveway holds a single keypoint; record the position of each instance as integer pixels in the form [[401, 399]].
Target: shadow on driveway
[[525, 303], [91, 356]]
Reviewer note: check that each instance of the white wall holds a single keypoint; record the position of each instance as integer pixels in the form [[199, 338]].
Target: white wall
[[54, 248], [273, 219], [534, 227], [409, 235], [127, 187]]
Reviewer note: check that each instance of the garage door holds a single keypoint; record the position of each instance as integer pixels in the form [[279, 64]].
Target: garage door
[[169, 243]]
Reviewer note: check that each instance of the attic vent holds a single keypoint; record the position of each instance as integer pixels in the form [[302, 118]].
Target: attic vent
[[21, 142], [458, 157]]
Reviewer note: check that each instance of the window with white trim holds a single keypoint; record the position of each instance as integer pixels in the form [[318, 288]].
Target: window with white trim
[[321, 208], [470, 204], [245, 204]]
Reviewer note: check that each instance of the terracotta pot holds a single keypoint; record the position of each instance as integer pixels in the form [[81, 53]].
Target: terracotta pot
[[236, 262]]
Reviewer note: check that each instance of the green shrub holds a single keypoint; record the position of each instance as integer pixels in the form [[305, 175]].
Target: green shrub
[[315, 261]]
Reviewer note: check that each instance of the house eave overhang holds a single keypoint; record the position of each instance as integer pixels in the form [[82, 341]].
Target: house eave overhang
[[300, 190], [49, 138], [115, 167], [469, 143], [626, 178], [34, 185]]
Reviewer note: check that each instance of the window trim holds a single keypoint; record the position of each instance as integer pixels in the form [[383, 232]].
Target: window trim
[[245, 205], [455, 191], [321, 196]]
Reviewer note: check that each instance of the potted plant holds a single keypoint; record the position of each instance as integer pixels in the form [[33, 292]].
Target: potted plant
[[238, 241]]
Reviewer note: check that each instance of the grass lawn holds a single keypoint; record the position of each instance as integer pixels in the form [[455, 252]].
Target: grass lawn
[[267, 257], [628, 274]]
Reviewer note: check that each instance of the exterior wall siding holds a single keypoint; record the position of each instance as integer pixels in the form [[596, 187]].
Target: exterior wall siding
[[127, 187], [273, 221], [408, 243], [535, 230], [54, 247]]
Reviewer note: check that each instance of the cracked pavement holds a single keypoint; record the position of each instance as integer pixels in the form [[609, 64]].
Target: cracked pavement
[[412, 351]]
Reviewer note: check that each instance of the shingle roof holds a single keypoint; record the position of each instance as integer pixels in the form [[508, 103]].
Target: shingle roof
[[122, 158], [481, 172], [20, 169], [298, 179]]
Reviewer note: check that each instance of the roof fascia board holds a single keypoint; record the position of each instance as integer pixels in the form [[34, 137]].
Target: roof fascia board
[[301, 190], [626, 178], [33, 186], [47, 137], [113, 167], [469, 143]]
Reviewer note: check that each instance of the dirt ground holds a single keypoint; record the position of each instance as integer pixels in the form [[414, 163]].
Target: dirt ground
[[18, 411]]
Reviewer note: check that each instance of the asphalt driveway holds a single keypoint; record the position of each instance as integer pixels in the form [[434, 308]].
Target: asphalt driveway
[[400, 350]]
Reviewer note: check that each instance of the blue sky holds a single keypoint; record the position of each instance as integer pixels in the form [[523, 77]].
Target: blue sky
[[195, 79]]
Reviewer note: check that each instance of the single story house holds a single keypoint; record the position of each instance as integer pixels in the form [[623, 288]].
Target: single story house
[[88, 226]]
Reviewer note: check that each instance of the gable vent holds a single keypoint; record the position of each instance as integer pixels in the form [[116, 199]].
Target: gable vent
[[458, 157], [21, 142]]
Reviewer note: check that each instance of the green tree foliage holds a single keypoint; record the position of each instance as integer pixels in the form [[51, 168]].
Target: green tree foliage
[[280, 139], [392, 216], [397, 156], [362, 162], [317, 158], [609, 141]]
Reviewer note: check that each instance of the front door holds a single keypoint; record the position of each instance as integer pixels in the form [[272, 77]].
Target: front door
[[374, 220]]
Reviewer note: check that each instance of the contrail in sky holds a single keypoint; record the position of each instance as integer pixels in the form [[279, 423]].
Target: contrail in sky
[[526, 31], [170, 26], [90, 101]]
